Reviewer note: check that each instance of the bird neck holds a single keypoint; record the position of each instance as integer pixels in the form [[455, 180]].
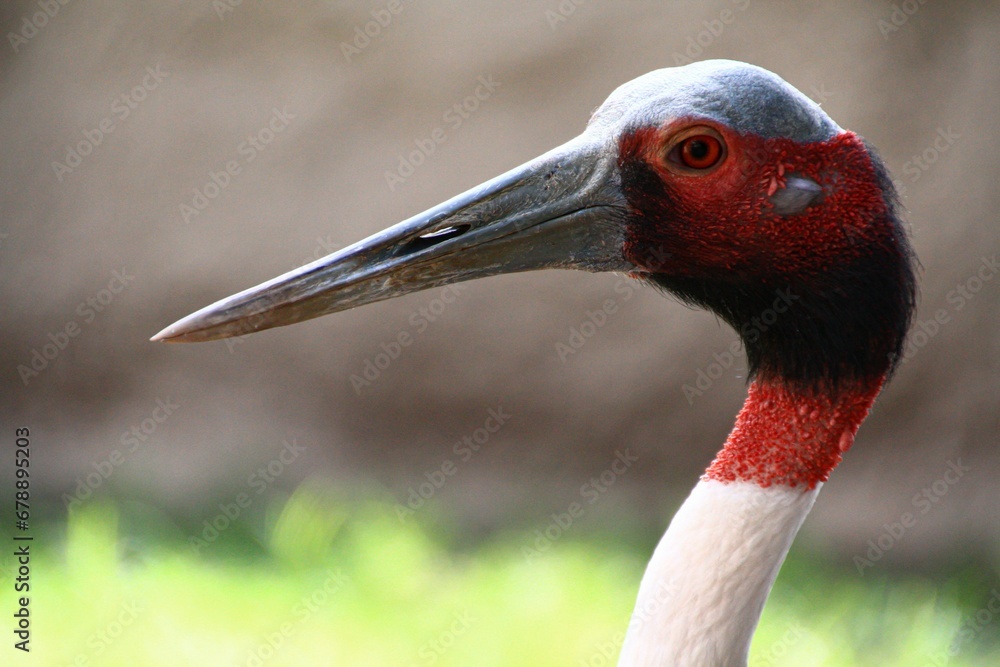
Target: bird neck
[[792, 437], [705, 587]]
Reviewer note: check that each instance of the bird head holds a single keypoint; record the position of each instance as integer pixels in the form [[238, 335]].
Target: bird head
[[717, 181]]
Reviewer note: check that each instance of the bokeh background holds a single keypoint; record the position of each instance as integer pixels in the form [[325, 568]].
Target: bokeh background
[[118, 123]]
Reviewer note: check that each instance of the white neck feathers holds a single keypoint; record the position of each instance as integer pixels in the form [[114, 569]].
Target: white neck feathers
[[705, 587]]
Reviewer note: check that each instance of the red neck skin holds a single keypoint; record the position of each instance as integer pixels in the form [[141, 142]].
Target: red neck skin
[[791, 438]]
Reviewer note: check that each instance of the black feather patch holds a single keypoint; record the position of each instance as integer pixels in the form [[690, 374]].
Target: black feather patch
[[822, 330]]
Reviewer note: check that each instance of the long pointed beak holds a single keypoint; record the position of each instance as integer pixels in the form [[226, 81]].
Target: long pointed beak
[[563, 209]]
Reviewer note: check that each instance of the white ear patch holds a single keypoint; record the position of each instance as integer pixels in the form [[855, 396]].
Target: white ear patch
[[798, 194]]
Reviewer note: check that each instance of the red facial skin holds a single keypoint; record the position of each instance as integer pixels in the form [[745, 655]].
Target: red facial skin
[[721, 220], [720, 223], [789, 438]]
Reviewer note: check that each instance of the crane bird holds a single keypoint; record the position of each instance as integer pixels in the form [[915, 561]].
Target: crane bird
[[725, 186]]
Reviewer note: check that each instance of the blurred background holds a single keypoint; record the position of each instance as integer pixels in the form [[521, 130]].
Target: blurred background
[[158, 157]]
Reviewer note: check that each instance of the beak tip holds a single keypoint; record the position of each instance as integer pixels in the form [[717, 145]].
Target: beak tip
[[165, 336], [177, 332], [201, 327]]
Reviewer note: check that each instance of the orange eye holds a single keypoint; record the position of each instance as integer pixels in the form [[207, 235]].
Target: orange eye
[[700, 151]]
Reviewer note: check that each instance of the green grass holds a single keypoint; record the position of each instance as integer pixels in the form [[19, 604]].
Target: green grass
[[330, 584]]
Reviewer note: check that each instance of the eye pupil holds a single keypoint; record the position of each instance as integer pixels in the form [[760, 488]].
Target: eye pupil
[[698, 149], [701, 151]]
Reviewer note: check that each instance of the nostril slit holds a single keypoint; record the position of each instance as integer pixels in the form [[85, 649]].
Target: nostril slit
[[433, 238], [445, 232]]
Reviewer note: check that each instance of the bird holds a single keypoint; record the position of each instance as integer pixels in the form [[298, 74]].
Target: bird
[[724, 186]]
